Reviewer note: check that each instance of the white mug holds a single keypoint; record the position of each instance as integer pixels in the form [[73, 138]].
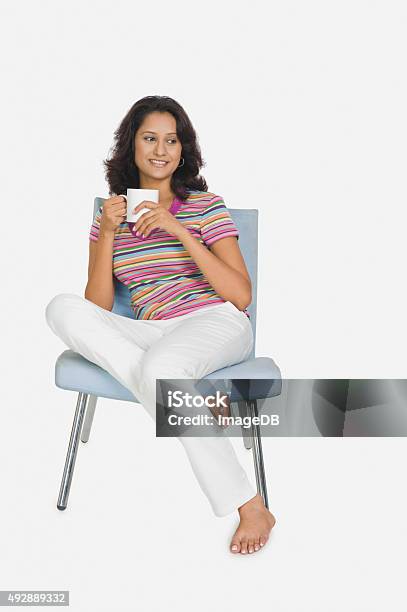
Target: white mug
[[133, 199]]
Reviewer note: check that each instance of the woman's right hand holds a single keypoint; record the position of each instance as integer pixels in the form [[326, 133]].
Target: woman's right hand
[[114, 212]]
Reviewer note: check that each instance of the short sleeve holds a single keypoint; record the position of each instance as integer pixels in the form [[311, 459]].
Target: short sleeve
[[216, 222], [94, 229]]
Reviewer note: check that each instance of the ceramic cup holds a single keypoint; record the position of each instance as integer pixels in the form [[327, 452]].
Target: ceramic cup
[[133, 199]]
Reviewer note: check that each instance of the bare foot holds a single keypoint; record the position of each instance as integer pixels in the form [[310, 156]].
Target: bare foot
[[256, 522]]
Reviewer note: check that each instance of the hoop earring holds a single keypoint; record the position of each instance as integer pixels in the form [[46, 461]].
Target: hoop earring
[[183, 162]]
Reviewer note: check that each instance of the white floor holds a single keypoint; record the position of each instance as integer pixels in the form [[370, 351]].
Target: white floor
[[138, 533]]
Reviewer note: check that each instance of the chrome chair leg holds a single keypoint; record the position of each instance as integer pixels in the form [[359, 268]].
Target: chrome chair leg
[[252, 440], [90, 411], [72, 451], [258, 453]]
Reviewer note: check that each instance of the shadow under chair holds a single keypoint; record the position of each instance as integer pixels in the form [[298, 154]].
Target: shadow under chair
[[254, 379]]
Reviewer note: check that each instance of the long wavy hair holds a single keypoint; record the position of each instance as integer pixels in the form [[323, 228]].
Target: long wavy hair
[[120, 170]]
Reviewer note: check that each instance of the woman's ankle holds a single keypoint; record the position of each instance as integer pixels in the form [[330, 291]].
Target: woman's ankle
[[254, 502]]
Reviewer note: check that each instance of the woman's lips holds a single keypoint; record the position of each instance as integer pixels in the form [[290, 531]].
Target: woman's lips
[[160, 165]]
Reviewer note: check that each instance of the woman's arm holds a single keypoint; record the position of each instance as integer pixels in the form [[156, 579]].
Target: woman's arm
[[100, 287], [223, 266]]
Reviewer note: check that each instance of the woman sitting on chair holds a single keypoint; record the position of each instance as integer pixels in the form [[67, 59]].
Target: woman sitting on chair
[[189, 289]]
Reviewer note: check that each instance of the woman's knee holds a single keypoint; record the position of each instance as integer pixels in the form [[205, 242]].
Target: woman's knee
[[60, 307], [155, 367]]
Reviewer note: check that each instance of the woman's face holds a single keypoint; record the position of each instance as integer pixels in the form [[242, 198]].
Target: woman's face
[[156, 139]]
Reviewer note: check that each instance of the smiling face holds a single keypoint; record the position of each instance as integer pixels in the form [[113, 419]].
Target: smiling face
[[156, 139]]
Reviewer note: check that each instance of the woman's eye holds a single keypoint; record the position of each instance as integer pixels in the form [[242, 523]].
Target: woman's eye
[[173, 140]]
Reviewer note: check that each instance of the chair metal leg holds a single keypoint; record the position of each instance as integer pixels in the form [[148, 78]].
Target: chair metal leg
[[252, 440], [72, 451], [258, 453], [90, 411]]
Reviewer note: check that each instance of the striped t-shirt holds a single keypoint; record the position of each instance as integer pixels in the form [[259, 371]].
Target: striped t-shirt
[[162, 278]]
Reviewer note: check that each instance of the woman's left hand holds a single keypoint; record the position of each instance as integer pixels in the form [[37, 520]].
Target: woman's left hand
[[158, 217]]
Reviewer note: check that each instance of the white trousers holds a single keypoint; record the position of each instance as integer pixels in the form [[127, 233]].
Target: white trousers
[[137, 352]]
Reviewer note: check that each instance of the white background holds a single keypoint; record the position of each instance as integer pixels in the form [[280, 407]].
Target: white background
[[300, 112]]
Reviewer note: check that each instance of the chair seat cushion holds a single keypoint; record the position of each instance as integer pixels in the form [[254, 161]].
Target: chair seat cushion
[[257, 378]]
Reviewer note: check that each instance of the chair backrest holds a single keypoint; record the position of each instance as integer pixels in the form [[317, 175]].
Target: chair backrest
[[246, 221]]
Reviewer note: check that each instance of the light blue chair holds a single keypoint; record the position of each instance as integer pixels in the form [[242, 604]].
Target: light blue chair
[[253, 379]]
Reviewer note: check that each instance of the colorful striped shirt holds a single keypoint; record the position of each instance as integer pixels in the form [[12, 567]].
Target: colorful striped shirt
[[162, 278]]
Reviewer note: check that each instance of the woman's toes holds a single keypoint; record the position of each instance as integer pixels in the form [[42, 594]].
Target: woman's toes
[[263, 540], [257, 544], [235, 545], [243, 546], [251, 546]]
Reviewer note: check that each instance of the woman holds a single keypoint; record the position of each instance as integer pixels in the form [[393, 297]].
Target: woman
[[189, 288]]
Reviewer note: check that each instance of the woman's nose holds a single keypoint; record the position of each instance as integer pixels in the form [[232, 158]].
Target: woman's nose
[[160, 149]]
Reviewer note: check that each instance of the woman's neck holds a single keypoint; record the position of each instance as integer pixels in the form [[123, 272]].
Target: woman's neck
[[163, 186]]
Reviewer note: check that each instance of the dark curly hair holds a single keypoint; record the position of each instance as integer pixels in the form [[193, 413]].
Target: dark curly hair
[[120, 170]]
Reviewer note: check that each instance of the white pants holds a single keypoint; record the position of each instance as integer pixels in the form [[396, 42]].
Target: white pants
[[137, 352]]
